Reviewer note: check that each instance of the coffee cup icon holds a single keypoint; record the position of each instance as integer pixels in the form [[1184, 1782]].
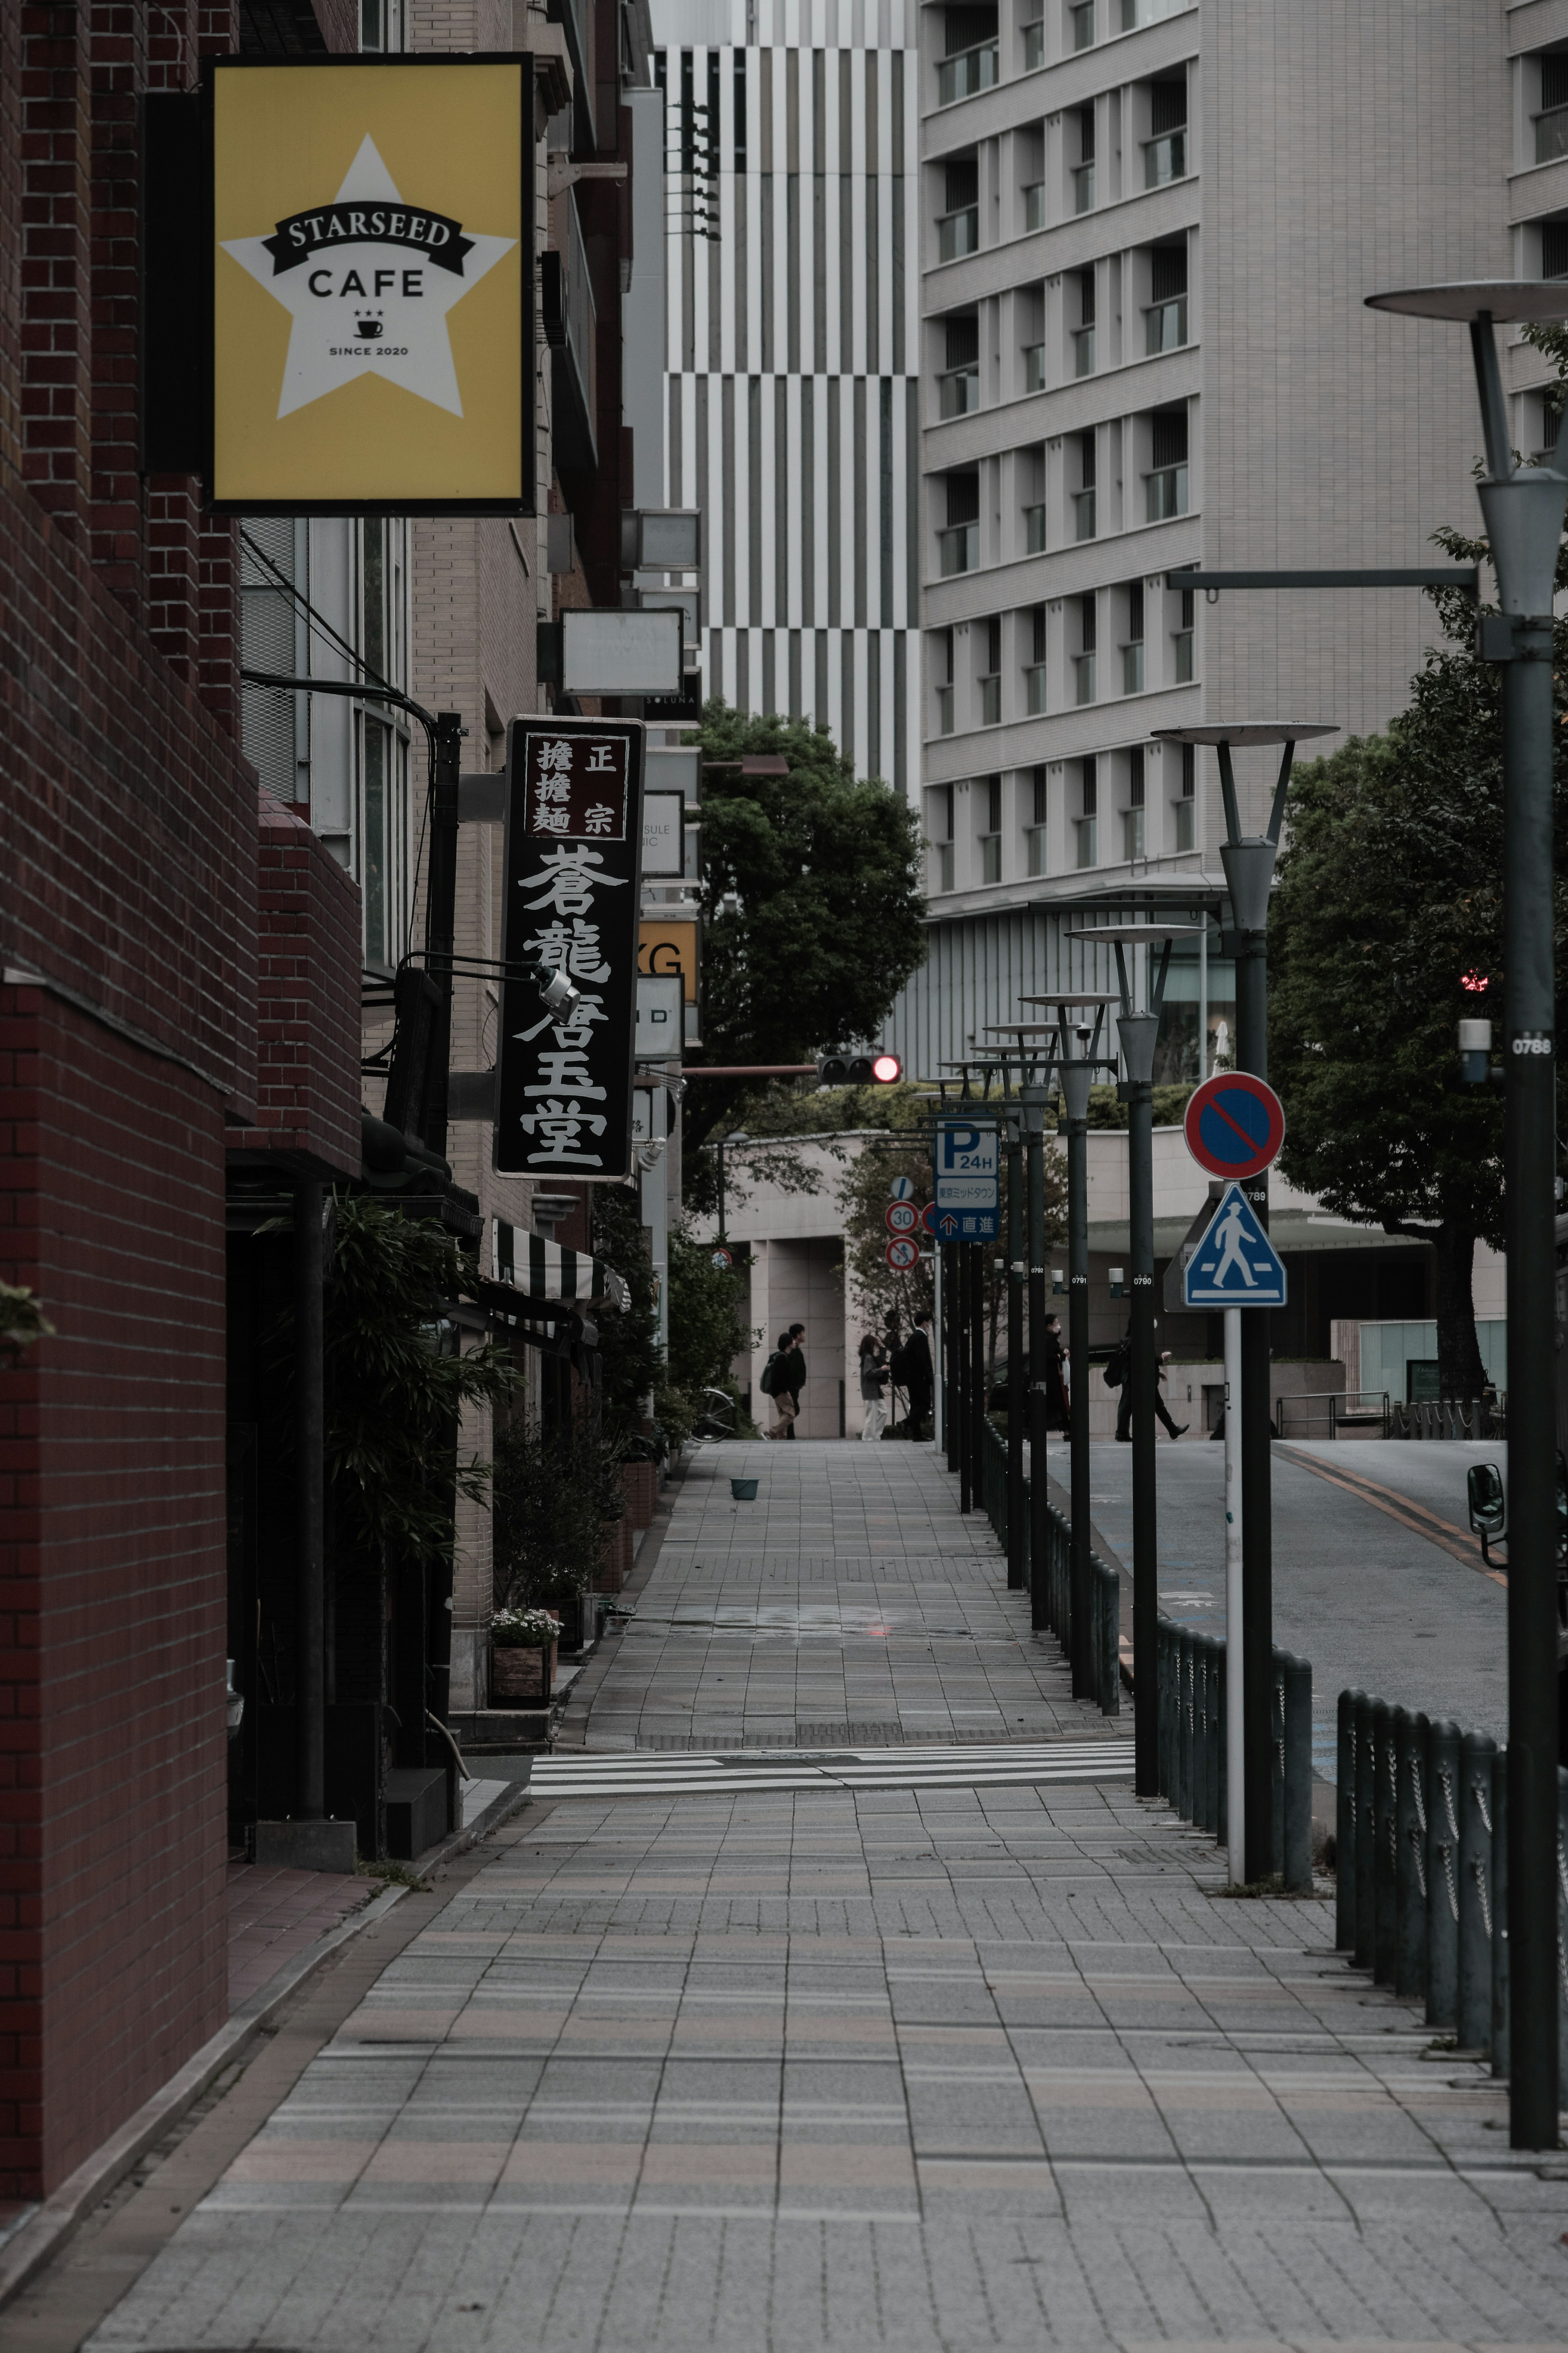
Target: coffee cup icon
[[368, 329]]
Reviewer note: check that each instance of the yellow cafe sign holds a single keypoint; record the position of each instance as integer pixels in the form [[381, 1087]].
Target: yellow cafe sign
[[371, 290]]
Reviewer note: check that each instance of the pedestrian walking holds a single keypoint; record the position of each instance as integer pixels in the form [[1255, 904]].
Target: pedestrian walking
[[795, 1368], [914, 1370], [873, 1382], [774, 1386], [1121, 1363], [1052, 1375]]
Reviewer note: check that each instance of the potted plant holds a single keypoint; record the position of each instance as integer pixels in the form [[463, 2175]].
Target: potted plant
[[522, 1654], [561, 1591]]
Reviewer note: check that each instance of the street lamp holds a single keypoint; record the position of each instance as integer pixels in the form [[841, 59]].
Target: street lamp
[[1248, 860], [1523, 508], [1079, 1059], [736, 1135], [1139, 1033]]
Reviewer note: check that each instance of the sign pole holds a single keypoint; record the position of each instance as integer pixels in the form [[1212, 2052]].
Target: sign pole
[[978, 1371], [1077, 1076], [1016, 1565], [938, 1386], [1035, 1130], [1234, 1684]]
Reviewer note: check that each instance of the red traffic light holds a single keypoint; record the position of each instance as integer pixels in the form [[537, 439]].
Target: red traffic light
[[886, 1068]]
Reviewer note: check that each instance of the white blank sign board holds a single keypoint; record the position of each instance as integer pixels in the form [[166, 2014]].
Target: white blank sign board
[[617, 651], [663, 826], [658, 1016]]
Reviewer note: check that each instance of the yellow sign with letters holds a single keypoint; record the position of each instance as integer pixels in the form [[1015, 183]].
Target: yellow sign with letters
[[373, 286]]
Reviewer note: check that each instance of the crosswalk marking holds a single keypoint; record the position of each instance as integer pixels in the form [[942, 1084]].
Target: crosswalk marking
[[970, 1765]]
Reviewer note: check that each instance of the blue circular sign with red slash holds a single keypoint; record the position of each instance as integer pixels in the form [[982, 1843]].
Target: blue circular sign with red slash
[[1235, 1125]]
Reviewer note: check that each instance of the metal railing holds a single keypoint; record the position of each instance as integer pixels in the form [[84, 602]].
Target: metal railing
[[1421, 1846], [1306, 1412], [1190, 1668], [1484, 1417], [1105, 1584]]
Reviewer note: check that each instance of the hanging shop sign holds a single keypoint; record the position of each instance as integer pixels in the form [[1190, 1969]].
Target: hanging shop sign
[[574, 843], [370, 297]]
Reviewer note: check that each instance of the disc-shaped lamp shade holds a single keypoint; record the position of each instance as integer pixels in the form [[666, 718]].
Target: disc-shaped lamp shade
[[1138, 936], [1259, 731], [1508, 301], [1066, 996]]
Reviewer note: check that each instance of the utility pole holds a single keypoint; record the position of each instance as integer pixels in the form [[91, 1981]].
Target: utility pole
[[1034, 1104], [441, 917], [1016, 1270]]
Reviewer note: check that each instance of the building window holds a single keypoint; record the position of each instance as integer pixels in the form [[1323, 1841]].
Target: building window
[[1086, 827], [958, 384], [970, 62], [1186, 806], [1036, 837], [1554, 249], [1035, 204], [1035, 529], [1083, 510], [1165, 320], [1083, 333], [1034, 669], [1167, 478], [941, 819], [1552, 123], [942, 664], [1132, 815], [1034, 31], [958, 223], [1133, 649], [1182, 635], [1149, 12], [991, 679], [958, 545], [1083, 660], [988, 792], [1033, 368], [1165, 152], [1080, 23], [382, 744], [381, 25], [1081, 123]]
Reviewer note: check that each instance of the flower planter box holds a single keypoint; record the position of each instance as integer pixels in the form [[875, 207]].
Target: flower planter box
[[639, 1482], [518, 1674]]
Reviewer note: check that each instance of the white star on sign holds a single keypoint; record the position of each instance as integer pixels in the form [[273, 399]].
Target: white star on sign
[[361, 307]]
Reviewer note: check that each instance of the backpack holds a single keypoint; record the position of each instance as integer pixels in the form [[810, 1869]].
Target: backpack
[[1116, 1367], [771, 1372]]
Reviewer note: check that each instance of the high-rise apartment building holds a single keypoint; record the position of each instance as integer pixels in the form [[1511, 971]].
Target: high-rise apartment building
[[1146, 231], [793, 355]]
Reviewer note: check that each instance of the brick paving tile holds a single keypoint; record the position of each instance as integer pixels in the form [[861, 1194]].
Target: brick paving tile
[[933, 2069], [273, 1914]]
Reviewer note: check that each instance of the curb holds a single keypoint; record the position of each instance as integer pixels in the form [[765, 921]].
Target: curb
[[48, 2228]]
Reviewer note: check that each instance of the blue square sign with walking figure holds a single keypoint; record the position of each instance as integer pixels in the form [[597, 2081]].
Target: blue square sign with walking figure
[[1236, 1264]]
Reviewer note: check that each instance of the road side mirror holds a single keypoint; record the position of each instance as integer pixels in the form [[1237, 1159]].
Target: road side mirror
[[1488, 1503]]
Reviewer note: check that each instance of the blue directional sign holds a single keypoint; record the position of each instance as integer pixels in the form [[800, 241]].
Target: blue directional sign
[[964, 1225], [1236, 1264]]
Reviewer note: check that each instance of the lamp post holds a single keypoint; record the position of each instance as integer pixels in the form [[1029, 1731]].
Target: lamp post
[[1139, 1033], [1248, 860], [1523, 509], [1079, 1059], [737, 1135]]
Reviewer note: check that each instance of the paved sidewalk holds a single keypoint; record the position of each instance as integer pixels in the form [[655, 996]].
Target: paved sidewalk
[[951, 2069], [273, 1914]]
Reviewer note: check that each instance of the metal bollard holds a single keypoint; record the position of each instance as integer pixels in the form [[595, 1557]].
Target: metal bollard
[[1221, 1752], [1442, 1873], [1166, 1705], [1344, 1823], [1385, 1847], [1212, 1717], [1410, 1877], [1474, 2029], [1562, 1925], [1297, 1850], [1110, 1704], [1184, 1722], [1277, 1763], [1499, 1913], [1366, 1832], [1202, 1696]]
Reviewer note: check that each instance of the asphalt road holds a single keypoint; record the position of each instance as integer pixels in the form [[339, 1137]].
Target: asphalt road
[[1369, 1599]]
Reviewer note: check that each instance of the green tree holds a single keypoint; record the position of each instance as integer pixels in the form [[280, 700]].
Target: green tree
[[706, 1333], [1384, 930], [812, 902], [628, 1337]]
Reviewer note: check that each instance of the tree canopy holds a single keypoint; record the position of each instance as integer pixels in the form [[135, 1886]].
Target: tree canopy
[[1385, 928], [828, 926]]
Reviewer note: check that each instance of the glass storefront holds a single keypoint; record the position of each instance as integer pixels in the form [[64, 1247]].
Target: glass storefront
[[1199, 1004]]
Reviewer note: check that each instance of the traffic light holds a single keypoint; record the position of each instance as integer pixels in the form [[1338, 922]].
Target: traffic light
[[858, 1069]]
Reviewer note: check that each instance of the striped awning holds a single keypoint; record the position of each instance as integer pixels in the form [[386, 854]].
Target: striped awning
[[543, 1270]]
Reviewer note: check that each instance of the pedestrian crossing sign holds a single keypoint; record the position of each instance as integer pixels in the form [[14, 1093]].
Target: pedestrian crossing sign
[[1236, 1264]]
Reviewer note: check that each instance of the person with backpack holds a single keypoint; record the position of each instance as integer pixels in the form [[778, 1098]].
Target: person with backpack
[[775, 1386], [873, 1382], [1120, 1364]]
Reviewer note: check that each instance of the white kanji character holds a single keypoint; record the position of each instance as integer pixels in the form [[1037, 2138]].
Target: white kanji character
[[556, 757], [559, 1126], [567, 1067], [600, 759], [551, 789], [570, 884], [578, 951], [599, 819], [577, 1032], [551, 820]]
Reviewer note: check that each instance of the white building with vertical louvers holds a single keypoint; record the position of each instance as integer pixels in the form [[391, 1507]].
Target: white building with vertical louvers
[[1146, 232], [793, 356]]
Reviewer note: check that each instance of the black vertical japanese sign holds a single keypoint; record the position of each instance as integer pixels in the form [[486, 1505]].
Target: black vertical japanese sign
[[573, 858]]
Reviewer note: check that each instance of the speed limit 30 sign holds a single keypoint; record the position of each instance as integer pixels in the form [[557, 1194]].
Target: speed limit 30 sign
[[901, 1217]]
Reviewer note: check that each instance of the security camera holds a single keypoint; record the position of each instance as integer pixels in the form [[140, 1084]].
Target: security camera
[[557, 991]]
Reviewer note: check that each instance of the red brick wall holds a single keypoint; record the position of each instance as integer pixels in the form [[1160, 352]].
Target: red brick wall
[[112, 1757], [128, 856], [307, 1074]]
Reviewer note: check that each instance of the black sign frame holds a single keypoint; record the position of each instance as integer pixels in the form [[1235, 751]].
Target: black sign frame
[[573, 882]]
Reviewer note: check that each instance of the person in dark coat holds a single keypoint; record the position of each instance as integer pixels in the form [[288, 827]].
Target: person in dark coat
[[1124, 1403], [917, 1376], [795, 1368], [1053, 1359]]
